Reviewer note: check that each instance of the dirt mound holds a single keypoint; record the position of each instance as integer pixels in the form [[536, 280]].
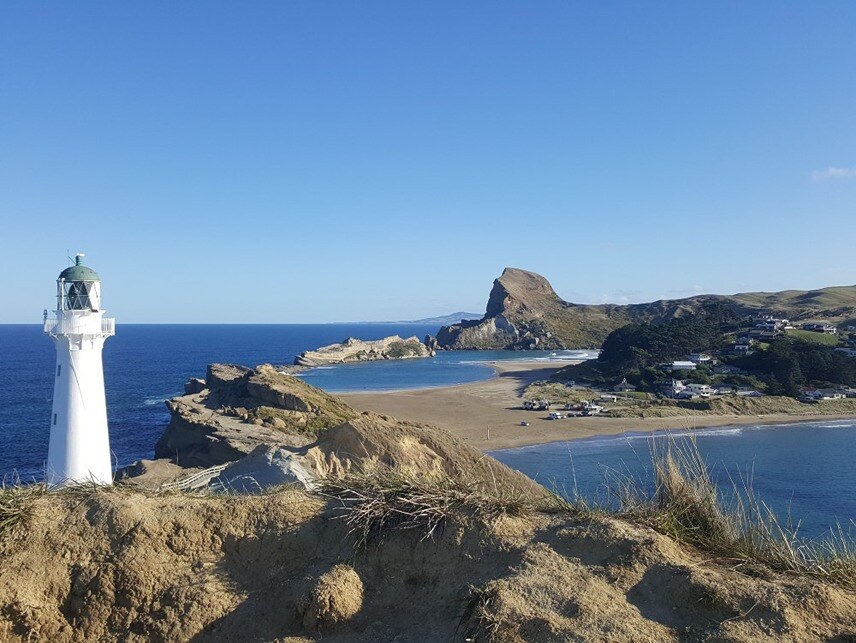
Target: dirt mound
[[116, 564], [419, 450], [336, 597]]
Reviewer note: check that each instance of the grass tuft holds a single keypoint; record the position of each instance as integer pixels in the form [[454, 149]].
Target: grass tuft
[[686, 504], [17, 503], [376, 502]]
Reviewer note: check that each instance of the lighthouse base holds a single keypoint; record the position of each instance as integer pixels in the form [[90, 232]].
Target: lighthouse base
[[79, 449]]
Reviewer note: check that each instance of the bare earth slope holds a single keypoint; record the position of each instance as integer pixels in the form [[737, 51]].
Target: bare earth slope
[[117, 565], [523, 311]]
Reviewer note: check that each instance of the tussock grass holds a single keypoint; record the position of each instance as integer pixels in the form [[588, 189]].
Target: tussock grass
[[686, 505], [17, 503], [375, 502]]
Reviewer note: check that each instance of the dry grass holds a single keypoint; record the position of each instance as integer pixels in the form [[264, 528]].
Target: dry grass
[[687, 505], [375, 502], [17, 503]]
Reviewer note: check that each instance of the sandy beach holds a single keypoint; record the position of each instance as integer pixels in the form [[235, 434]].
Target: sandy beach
[[487, 414]]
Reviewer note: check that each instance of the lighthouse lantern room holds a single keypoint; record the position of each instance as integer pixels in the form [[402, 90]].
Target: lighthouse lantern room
[[79, 448]]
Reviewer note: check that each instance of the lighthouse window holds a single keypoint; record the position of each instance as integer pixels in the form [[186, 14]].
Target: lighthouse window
[[58, 369], [54, 419]]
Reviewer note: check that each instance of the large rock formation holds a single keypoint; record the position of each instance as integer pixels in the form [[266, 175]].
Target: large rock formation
[[239, 408], [357, 350], [268, 428], [524, 312]]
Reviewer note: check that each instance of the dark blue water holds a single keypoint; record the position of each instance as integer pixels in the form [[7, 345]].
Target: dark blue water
[[806, 469], [144, 365], [803, 470]]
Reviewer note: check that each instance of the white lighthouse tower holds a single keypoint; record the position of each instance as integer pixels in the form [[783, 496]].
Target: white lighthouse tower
[[79, 449]]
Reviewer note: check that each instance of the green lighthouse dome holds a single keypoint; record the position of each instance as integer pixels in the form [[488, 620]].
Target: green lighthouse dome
[[79, 272]]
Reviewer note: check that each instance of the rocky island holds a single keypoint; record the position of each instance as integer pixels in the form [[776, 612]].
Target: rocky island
[[356, 350]]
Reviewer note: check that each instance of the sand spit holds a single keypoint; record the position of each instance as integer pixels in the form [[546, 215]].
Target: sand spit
[[487, 416]]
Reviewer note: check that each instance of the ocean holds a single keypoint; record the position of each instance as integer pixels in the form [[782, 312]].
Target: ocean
[[145, 365], [805, 469]]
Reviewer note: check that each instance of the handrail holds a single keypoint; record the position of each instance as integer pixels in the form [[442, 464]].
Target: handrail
[[188, 482], [83, 325]]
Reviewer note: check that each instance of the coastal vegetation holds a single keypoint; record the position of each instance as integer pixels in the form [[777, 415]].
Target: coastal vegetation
[[646, 355]]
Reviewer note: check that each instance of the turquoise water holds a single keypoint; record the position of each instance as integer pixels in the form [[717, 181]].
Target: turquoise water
[[805, 470], [447, 368]]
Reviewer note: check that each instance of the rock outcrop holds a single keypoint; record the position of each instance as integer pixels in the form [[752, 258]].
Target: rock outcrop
[[239, 409], [269, 428], [356, 350], [524, 312]]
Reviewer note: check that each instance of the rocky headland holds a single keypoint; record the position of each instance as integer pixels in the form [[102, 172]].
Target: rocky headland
[[356, 350], [524, 312]]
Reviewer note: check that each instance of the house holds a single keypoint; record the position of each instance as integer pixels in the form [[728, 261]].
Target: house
[[700, 358], [681, 365], [728, 369], [848, 352], [821, 328], [623, 386], [688, 395], [816, 395], [743, 349], [761, 334], [606, 397], [748, 392], [702, 390], [672, 388], [770, 325]]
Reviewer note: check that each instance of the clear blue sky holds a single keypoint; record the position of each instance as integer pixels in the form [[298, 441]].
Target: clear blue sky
[[331, 161]]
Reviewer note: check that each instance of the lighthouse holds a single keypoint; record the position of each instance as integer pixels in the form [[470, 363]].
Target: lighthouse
[[79, 449]]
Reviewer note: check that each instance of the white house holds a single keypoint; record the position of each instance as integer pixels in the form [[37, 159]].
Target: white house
[[673, 388], [702, 390], [821, 328], [700, 358], [822, 394], [681, 365]]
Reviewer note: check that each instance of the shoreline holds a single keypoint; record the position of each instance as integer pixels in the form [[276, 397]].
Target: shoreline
[[486, 413]]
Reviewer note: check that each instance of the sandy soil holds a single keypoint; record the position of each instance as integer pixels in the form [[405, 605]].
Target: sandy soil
[[118, 565], [487, 414]]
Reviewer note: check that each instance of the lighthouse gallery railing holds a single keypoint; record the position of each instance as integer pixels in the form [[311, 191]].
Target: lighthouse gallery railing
[[83, 325]]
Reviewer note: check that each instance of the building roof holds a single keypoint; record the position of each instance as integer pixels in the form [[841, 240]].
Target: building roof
[[79, 272]]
